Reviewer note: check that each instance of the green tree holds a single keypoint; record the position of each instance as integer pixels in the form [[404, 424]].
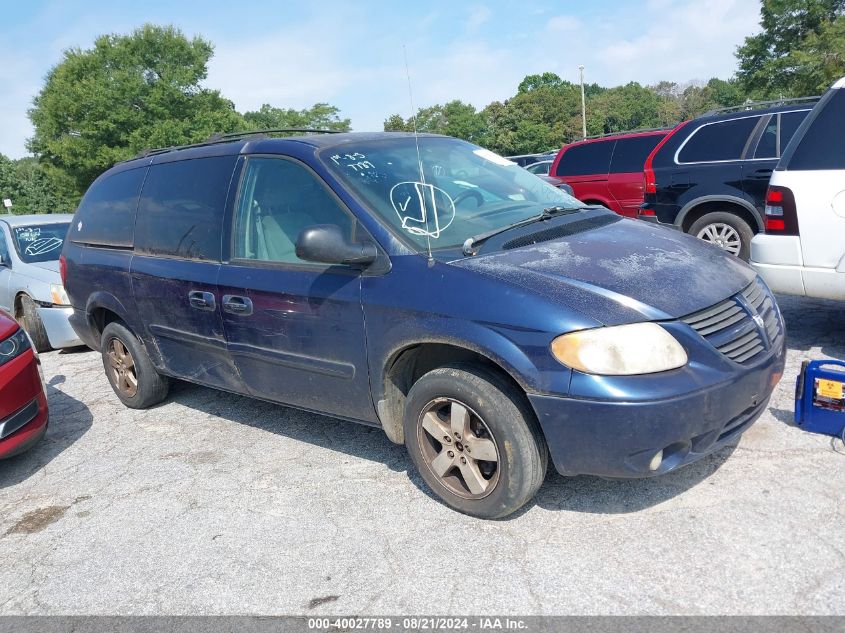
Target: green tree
[[456, 118], [34, 187], [321, 116], [799, 50], [127, 93]]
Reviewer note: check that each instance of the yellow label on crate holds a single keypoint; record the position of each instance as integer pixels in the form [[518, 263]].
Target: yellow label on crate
[[829, 388]]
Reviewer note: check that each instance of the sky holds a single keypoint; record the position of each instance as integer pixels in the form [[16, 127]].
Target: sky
[[350, 54]]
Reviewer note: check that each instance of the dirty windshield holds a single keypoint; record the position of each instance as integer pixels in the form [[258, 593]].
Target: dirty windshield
[[455, 190], [39, 243]]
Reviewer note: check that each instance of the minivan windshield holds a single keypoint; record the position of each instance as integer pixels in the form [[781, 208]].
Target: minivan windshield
[[39, 242], [454, 191]]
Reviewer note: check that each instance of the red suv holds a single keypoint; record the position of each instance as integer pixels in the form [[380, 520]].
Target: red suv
[[608, 170]]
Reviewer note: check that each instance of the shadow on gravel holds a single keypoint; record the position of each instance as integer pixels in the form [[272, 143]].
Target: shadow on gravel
[[356, 440], [620, 496], [814, 323], [69, 420], [575, 494]]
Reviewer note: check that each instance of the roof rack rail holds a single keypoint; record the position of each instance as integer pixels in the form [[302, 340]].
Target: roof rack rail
[[753, 105], [635, 131], [229, 137]]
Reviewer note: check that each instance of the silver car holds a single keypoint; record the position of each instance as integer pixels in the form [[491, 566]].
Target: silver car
[[30, 284]]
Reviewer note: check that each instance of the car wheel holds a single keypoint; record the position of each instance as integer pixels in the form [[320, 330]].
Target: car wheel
[[130, 371], [474, 441], [725, 230], [29, 320]]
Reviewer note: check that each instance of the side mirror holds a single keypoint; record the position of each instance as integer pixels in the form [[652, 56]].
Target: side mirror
[[4, 262], [325, 243]]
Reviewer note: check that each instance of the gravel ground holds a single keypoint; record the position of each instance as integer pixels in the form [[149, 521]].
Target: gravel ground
[[218, 504]]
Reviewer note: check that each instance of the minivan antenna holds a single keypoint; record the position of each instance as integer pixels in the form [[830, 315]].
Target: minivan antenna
[[419, 158]]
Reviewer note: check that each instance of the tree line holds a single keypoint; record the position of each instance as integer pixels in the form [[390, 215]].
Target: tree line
[[142, 90]]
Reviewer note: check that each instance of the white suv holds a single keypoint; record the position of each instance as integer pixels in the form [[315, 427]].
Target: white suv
[[802, 251]]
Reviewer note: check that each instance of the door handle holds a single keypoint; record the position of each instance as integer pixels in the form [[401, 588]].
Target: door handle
[[201, 300], [760, 174], [237, 305]]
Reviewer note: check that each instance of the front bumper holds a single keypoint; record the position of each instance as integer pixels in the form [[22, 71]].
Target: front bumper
[[619, 438], [58, 328], [24, 428]]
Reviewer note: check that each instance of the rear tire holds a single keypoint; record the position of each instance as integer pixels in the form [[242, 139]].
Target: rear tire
[[726, 230], [130, 371], [474, 441], [29, 320]]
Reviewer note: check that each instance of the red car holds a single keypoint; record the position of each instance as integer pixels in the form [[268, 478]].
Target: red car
[[23, 404], [608, 170]]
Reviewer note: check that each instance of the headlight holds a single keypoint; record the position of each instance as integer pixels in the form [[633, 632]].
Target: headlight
[[624, 350], [58, 294], [13, 346]]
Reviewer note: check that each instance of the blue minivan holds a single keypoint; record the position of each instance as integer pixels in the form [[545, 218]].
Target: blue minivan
[[477, 314]]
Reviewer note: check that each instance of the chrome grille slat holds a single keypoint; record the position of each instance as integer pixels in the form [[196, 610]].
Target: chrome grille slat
[[740, 352], [704, 314], [736, 318], [749, 355], [730, 347], [729, 327]]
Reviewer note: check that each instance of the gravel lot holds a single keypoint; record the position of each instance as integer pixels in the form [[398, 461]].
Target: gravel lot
[[217, 504]]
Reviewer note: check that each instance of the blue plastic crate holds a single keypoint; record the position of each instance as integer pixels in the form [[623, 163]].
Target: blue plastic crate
[[820, 397]]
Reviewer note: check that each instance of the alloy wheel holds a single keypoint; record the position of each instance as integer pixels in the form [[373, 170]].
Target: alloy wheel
[[722, 235], [122, 368], [458, 448]]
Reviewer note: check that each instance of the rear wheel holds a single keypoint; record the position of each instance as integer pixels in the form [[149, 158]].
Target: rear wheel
[[29, 320], [727, 231], [474, 441], [130, 371]]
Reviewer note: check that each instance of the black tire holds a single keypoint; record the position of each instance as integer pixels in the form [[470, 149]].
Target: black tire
[[740, 226], [505, 418], [29, 320], [150, 387]]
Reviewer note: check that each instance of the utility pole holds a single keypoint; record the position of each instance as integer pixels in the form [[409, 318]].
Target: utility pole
[[583, 104]]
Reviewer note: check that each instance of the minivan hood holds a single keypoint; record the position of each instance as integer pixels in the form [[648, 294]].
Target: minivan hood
[[625, 272]]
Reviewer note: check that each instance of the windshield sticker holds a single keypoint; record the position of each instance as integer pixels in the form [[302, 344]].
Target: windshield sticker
[[423, 209], [486, 154], [45, 245]]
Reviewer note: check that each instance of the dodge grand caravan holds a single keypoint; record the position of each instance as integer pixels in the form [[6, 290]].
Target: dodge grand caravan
[[480, 316]]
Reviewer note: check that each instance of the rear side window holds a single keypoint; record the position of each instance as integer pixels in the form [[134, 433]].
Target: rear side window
[[789, 122], [724, 140], [767, 146], [821, 146], [106, 215], [586, 159], [630, 153], [181, 209]]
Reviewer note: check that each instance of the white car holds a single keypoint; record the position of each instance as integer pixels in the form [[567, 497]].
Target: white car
[[802, 251]]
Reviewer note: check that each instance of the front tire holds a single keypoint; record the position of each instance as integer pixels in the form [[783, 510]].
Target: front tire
[[29, 320], [130, 371], [474, 441], [726, 230]]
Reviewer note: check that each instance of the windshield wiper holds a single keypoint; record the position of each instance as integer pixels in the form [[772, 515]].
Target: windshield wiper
[[469, 247]]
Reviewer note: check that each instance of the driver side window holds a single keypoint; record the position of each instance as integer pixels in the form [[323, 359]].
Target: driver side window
[[279, 198]]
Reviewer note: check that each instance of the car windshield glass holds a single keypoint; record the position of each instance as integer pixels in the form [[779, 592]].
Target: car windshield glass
[[39, 242], [454, 191]]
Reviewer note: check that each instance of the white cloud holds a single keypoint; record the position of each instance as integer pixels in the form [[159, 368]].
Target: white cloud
[[478, 16], [563, 24]]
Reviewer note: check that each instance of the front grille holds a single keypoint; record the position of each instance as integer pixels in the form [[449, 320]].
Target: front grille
[[730, 326]]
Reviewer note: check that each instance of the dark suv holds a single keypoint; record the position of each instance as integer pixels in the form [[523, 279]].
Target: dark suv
[[429, 287], [709, 176]]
